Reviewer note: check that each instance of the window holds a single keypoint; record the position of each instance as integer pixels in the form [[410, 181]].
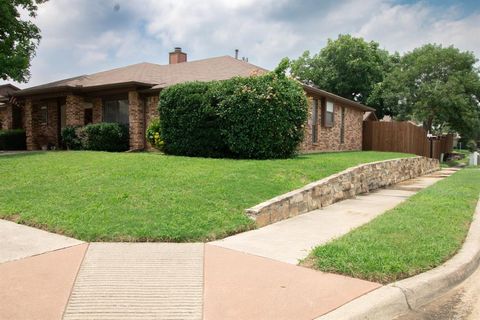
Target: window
[[315, 121], [115, 111], [328, 114], [43, 115], [87, 116], [342, 126]]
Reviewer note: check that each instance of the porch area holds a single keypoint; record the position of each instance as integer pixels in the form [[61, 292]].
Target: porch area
[[45, 117]]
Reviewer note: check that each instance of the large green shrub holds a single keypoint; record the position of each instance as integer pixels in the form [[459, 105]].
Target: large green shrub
[[255, 117], [189, 122], [263, 117], [106, 137], [13, 139]]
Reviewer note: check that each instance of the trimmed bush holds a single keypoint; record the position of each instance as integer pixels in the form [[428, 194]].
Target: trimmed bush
[[106, 137], [71, 138], [190, 125], [13, 139], [257, 117], [97, 137]]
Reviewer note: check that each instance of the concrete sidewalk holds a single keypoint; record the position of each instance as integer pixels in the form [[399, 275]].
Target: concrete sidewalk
[[291, 240], [19, 241]]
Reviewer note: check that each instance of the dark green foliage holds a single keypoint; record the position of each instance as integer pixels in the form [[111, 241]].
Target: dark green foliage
[[106, 137], [71, 139], [348, 66], [190, 125], [12, 139], [437, 86], [263, 117], [18, 38], [257, 117], [98, 137]]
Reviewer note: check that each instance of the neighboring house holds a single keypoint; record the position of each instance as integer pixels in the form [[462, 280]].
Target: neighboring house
[[130, 95]]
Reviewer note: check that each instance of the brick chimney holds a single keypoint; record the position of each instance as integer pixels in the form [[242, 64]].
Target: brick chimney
[[177, 56]]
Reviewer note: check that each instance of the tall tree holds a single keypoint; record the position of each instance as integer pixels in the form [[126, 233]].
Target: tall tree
[[18, 39], [437, 86], [347, 66]]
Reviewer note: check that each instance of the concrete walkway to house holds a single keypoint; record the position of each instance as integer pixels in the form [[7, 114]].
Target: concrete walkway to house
[[247, 276], [291, 240]]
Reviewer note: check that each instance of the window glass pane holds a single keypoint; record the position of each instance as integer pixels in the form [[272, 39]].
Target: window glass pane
[[116, 111], [110, 111], [329, 106], [123, 111], [43, 115]]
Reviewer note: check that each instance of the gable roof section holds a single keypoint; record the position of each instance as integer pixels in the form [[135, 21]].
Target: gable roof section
[[316, 91], [154, 76]]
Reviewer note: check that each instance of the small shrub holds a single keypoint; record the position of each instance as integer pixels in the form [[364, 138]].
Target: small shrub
[[106, 137], [71, 138], [153, 134], [472, 145], [13, 139]]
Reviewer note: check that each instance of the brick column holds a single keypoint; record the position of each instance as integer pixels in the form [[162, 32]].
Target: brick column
[[74, 114], [8, 117], [136, 120], [97, 110], [28, 122]]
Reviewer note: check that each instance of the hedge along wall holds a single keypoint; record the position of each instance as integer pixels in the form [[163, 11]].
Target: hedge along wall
[[257, 117], [340, 186]]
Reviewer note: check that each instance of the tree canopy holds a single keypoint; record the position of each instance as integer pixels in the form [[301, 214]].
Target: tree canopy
[[18, 39], [437, 86], [348, 66]]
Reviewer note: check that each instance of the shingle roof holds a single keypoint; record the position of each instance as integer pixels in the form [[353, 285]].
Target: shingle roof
[[157, 76]]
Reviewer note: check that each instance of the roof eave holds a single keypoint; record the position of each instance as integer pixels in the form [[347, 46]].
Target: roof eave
[[80, 89]]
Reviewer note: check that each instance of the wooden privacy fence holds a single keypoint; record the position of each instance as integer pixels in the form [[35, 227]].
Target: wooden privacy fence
[[404, 137]]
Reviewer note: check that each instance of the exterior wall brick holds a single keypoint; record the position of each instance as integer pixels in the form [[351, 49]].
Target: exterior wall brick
[[6, 117], [97, 110], [28, 125], [329, 138], [137, 121], [343, 185], [74, 111], [44, 133]]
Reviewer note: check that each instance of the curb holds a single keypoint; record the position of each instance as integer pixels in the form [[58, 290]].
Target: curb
[[398, 298]]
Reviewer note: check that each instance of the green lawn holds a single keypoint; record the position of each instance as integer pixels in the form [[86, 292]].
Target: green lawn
[[96, 196], [416, 236]]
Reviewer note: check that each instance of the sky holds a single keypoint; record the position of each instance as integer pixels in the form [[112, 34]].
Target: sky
[[87, 36]]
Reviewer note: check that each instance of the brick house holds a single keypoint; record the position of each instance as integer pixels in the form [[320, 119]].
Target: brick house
[[130, 94]]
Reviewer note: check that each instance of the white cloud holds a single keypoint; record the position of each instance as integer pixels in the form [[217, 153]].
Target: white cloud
[[87, 36]]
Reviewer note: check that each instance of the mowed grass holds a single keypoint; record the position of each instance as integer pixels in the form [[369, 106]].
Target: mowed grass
[[416, 236], [96, 196]]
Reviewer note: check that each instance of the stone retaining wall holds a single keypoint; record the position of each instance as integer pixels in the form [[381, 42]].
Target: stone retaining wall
[[340, 186]]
